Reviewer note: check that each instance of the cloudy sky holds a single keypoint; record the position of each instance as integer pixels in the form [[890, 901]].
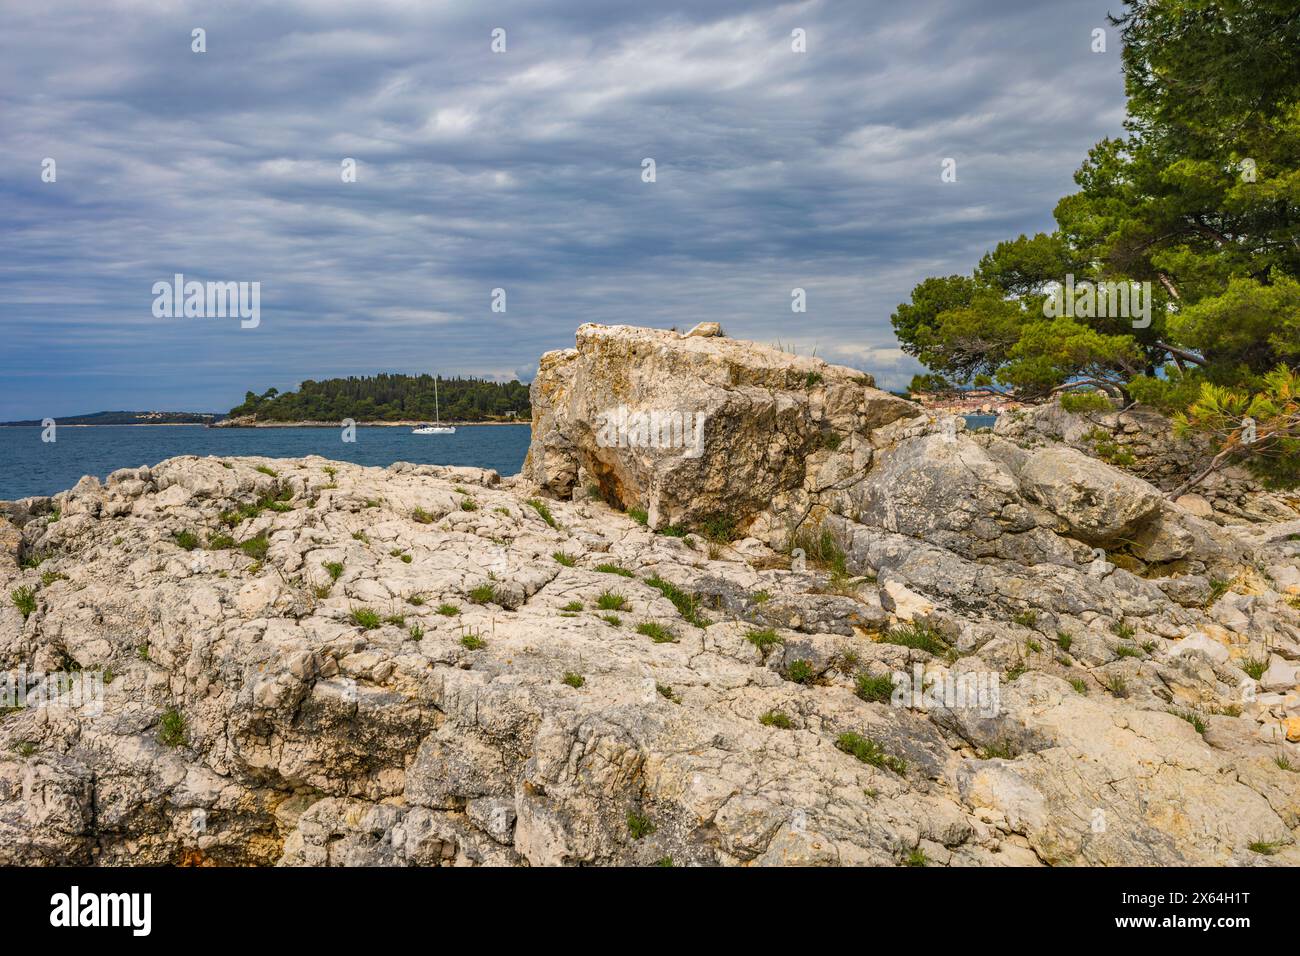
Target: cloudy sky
[[519, 170]]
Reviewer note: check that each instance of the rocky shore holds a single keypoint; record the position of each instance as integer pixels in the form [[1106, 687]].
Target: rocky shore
[[776, 617]]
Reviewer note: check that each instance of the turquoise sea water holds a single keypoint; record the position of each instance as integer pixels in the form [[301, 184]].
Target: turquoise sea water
[[29, 466]]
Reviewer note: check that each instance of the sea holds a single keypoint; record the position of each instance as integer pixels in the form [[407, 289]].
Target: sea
[[30, 466]]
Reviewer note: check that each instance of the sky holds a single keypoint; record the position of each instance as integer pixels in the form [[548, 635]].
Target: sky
[[520, 170]]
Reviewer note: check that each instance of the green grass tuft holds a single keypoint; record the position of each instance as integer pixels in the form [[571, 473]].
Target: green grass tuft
[[801, 672], [24, 599], [870, 752], [365, 618], [484, 594], [874, 689], [543, 510], [610, 601], [686, 604], [172, 729], [657, 632], [917, 635]]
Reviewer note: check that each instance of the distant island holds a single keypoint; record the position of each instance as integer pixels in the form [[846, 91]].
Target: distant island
[[128, 418], [385, 399]]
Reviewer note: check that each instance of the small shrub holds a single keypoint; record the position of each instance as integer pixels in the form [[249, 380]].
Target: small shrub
[[186, 539], [420, 516], [472, 642], [1063, 640], [917, 858], [333, 568], [1124, 650], [1284, 764], [831, 441], [172, 729], [1033, 646], [719, 527], [416, 632], [775, 718], [24, 599], [572, 606], [264, 470], [639, 515], [415, 600], [668, 693], [565, 559], [1026, 618], [874, 689], [609, 601], [397, 620], [657, 632], [800, 671], [49, 577], [613, 620], [448, 610], [365, 618], [574, 680], [256, 547], [1123, 631], [998, 751], [220, 542], [468, 504], [812, 379], [639, 826], [614, 569], [1079, 685], [1117, 685], [404, 558], [761, 597], [1263, 847], [870, 752]]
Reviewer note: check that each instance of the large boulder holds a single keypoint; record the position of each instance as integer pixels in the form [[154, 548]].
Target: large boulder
[[691, 426], [1096, 503]]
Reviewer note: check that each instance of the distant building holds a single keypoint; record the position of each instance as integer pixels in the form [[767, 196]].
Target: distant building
[[970, 401]]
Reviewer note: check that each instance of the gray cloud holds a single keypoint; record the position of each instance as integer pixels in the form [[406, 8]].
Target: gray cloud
[[518, 170]]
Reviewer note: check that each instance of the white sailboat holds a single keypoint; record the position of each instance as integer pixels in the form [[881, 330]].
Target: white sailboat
[[437, 428]]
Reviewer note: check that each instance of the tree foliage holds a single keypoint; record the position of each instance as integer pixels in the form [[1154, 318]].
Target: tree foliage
[[1200, 198], [391, 398]]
